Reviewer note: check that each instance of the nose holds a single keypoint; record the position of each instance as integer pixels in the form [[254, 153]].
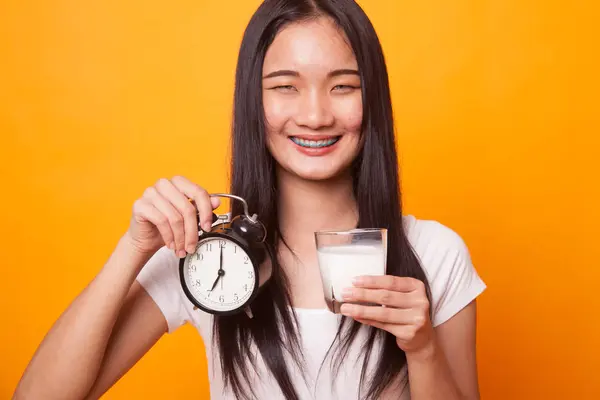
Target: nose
[[314, 111]]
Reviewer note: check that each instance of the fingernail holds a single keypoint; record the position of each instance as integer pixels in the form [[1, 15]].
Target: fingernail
[[191, 249], [347, 293], [181, 253], [357, 280], [206, 226], [172, 246], [346, 309]]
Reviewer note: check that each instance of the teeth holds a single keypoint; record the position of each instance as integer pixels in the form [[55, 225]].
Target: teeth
[[314, 143]]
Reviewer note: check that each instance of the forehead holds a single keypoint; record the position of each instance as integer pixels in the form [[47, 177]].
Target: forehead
[[313, 45]]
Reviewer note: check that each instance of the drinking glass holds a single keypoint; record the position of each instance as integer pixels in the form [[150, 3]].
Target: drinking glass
[[343, 255]]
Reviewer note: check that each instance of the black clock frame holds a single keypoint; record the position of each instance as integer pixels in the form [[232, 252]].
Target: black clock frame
[[224, 232]]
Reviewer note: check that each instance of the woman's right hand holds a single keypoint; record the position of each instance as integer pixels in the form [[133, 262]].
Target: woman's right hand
[[164, 215]]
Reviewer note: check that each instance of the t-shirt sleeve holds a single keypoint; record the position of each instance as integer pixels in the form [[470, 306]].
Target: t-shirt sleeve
[[160, 278], [453, 279], [458, 282]]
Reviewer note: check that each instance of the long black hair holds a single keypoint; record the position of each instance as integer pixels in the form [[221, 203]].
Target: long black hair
[[273, 330]]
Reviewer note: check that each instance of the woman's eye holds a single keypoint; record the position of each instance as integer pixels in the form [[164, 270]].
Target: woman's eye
[[344, 88], [284, 88]]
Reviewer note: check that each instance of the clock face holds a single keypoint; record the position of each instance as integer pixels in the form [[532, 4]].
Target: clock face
[[220, 275]]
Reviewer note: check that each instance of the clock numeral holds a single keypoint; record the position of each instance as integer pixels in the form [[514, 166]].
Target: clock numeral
[[193, 268], [235, 297], [199, 256], [222, 244], [250, 275], [221, 298], [234, 249], [246, 287], [197, 282], [208, 246], [245, 259]]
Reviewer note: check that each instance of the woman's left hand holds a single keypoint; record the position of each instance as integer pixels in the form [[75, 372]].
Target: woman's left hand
[[406, 311]]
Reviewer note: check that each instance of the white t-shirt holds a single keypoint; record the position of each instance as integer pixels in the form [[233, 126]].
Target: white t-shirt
[[444, 256]]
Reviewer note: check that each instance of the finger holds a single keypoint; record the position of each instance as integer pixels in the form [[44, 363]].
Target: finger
[[373, 323], [147, 211], [200, 197], [388, 282], [378, 296], [215, 202], [401, 332], [387, 315], [173, 216], [186, 214]]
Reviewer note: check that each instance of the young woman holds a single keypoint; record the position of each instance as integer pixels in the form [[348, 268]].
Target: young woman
[[313, 148]]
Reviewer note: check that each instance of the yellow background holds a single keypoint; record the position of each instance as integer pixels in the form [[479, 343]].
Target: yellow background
[[496, 106]]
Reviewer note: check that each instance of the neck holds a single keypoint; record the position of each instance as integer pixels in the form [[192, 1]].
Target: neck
[[308, 206]]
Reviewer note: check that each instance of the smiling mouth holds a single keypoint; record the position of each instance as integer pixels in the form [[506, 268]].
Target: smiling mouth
[[315, 144]]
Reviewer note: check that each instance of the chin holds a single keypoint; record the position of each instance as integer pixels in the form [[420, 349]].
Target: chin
[[317, 175]]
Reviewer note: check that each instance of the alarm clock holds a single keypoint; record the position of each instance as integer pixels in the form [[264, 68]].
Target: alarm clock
[[230, 265]]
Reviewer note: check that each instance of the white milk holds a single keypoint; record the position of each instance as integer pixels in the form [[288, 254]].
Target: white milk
[[340, 264]]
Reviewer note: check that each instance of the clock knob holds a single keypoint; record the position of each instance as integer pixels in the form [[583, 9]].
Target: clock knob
[[251, 231]]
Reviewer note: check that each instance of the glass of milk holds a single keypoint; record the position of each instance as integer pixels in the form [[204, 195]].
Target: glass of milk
[[343, 255]]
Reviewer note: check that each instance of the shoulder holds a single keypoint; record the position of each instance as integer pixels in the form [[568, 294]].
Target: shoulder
[[433, 242], [446, 260], [430, 232]]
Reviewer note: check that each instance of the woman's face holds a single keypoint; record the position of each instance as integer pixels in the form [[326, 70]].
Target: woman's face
[[312, 100]]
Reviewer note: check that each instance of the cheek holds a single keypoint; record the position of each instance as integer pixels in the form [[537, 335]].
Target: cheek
[[349, 113], [276, 114]]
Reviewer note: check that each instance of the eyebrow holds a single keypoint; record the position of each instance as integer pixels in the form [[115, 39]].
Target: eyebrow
[[281, 72], [287, 72], [339, 72]]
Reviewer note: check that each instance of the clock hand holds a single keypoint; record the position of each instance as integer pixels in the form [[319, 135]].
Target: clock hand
[[221, 272], [215, 283]]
